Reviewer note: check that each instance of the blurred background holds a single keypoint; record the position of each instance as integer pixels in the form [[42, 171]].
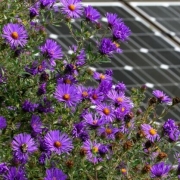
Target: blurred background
[[152, 54]]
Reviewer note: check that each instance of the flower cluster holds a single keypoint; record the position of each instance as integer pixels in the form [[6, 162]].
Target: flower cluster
[[53, 124]]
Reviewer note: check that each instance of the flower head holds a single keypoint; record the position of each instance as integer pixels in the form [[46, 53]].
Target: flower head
[[150, 132], [72, 8], [91, 14], [51, 50], [29, 106], [58, 142], [15, 35], [112, 19], [3, 168], [23, 145], [161, 96], [160, 170], [3, 122], [55, 173], [67, 94], [36, 124]]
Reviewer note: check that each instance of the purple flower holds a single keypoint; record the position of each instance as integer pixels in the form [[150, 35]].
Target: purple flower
[[58, 142], [42, 89], [45, 106], [78, 128], [3, 168], [150, 132], [51, 50], [92, 151], [121, 32], [107, 47], [96, 96], [123, 109], [36, 124], [105, 86], [23, 145], [101, 76], [43, 157], [55, 173], [3, 122], [14, 174], [161, 96], [106, 112], [67, 79], [67, 94], [29, 106], [120, 87], [93, 120], [160, 170], [113, 19], [84, 92], [107, 131], [15, 35], [126, 127], [72, 8], [33, 11], [46, 3], [109, 72], [91, 14]]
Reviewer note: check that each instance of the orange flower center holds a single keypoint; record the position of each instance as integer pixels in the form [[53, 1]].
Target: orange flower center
[[67, 81], [66, 97], [117, 44], [72, 7], [84, 93], [57, 144], [94, 96], [106, 111], [152, 131], [108, 131], [119, 99], [14, 35], [123, 170], [95, 149], [102, 76], [122, 109]]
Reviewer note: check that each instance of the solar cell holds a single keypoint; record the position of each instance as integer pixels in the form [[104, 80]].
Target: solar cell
[[148, 58]]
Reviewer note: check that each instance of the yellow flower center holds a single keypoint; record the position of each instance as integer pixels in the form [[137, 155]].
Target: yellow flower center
[[95, 149], [66, 97], [106, 111], [119, 99], [72, 7], [152, 131], [123, 170], [117, 44], [102, 76], [57, 144], [108, 131], [14, 35], [84, 93], [67, 81]]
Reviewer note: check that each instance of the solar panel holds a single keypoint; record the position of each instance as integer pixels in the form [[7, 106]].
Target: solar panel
[[166, 15], [148, 57]]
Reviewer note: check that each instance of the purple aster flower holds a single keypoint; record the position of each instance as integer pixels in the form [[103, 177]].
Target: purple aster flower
[[42, 89], [84, 92], [92, 151], [29, 106], [109, 72], [67, 94], [113, 19], [126, 127], [51, 50], [15, 35], [46, 3], [58, 142], [121, 32], [120, 87], [71, 69], [78, 128], [23, 145], [93, 120], [107, 131], [160, 170], [105, 86], [96, 96], [55, 173], [107, 47], [15, 173], [103, 150], [91, 14], [67, 79], [44, 156], [106, 112], [101, 76], [150, 132], [33, 12], [161, 96], [3, 122], [3, 168], [36, 124], [72, 8]]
